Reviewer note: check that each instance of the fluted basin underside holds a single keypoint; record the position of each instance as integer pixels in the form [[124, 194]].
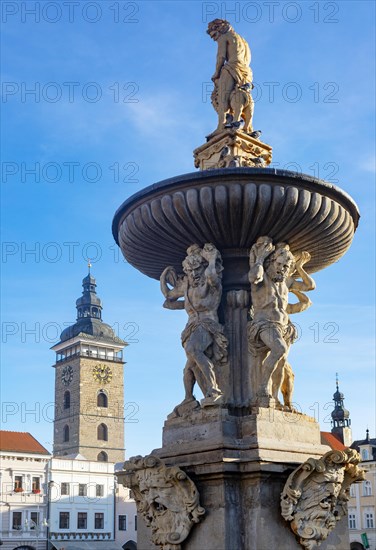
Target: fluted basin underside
[[231, 208]]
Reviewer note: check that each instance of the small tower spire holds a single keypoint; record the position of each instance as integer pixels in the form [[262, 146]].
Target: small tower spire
[[341, 417]]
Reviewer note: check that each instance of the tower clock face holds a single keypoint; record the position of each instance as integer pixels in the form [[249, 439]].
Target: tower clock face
[[102, 374], [67, 375]]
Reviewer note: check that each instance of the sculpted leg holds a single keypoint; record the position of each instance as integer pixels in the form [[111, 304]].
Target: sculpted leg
[[288, 386], [225, 86], [195, 347], [277, 378], [189, 381], [278, 351]]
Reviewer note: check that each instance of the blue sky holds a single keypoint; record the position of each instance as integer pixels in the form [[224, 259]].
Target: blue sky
[[120, 101]]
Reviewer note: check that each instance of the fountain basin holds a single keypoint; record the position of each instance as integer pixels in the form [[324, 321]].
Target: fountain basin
[[231, 208]]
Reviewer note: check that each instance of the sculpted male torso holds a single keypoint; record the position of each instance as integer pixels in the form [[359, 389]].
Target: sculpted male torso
[[270, 275], [202, 338]]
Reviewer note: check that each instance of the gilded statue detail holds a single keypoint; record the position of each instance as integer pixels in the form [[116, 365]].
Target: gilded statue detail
[[203, 339], [273, 273], [165, 496], [316, 493]]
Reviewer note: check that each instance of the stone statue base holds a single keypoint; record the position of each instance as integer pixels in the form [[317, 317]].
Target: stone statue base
[[231, 149], [240, 465]]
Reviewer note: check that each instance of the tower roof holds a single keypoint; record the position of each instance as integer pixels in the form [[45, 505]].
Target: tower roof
[[340, 414], [89, 316]]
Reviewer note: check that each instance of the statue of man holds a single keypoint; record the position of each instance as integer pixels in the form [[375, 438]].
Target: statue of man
[[273, 274], [203, 339], [232, 78]]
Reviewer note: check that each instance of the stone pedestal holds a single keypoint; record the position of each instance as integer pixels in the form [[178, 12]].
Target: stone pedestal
[[230, 149], [240, 466]]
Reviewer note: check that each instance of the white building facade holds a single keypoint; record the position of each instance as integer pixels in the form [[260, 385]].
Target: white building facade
[[362, 503], [82, 502], [24, 489]]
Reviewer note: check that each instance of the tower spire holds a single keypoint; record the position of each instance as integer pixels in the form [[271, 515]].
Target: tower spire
[[341, 417]]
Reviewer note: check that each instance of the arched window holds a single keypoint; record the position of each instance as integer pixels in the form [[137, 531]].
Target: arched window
[[66, 433], [102, 432], [364, 454], [102, 457], [102, 400], [67, 399]]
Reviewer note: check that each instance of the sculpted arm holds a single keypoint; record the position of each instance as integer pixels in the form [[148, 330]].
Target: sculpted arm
[[172, 295], [211, 255], [258, 253], [307, 283], [303, 304], [221, 56]]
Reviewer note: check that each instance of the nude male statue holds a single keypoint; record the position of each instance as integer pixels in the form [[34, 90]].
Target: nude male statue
[[232, 78], [273, 274], [203, 339]]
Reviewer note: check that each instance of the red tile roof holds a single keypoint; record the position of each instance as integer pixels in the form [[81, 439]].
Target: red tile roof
[[21, 442], [328, 438]]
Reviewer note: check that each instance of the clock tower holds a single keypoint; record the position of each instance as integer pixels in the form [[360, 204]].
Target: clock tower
[[89, 385]]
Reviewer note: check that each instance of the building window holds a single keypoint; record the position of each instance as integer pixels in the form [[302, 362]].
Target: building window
[[135, 523], [82, 490], [67, 400], [102, 432], [367, 489], [64, 520], [34, 520], [352, 490], [102, 457], [369, 520], [17, 520], [65, 489], [122, 523], [99, 520], [364, 454], [18, 483], [66, 434], [102, 400], [82, 520], [99, 490], [35, 485], [352, 521]]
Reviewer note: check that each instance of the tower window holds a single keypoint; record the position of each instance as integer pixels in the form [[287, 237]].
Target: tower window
[[102, 400], [102, 432], [102, 457], [66, 434], [67, 399]]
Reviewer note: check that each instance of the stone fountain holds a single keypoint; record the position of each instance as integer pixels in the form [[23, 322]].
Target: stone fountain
[[235, 245]]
